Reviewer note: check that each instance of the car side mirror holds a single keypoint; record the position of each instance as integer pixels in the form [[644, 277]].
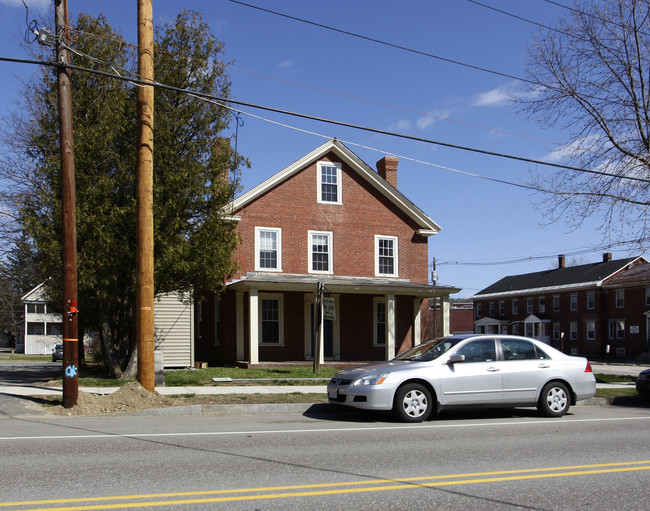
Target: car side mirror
[[454, 359]]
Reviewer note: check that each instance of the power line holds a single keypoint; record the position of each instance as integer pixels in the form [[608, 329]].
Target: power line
[[328, 121], [590, 15], [357, 98], [531, 258], [521, 18], [386, 43]]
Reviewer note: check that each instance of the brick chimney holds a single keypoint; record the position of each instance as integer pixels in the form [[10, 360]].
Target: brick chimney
[[561, 261], [387, 169], [607, 256]]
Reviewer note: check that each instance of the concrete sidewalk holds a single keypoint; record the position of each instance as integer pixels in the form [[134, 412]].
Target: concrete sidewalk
[[27, 390], [35, 390]]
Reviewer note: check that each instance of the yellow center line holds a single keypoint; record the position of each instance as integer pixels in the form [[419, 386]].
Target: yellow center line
[[336, 488]]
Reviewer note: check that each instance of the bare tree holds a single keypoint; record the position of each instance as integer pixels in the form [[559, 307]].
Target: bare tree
[[592, 76]]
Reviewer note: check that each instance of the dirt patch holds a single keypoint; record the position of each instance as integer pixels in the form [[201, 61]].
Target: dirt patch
[[133, 397]]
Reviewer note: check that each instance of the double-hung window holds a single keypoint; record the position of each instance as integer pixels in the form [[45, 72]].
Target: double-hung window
[[380, 322], [320, 252], [591, 300], [386, 260], [268, 249], [591, 330], [620, 299], [616, 329], [270, 320], [329, 183]]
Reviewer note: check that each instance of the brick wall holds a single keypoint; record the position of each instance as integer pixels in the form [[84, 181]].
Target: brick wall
[[293, 206]]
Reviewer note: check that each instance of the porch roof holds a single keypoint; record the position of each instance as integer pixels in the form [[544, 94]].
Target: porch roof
[[338, 284]]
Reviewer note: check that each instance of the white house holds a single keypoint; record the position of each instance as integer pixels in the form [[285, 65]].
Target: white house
[[173, 327], [43, 327]]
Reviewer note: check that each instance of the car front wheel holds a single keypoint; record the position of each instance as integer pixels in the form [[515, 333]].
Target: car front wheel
[[554, 400], [412, 403]]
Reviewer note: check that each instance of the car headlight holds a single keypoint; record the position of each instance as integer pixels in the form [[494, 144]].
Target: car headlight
[[375, 379]]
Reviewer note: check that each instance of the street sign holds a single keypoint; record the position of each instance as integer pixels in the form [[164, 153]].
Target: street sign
[[329, 311]]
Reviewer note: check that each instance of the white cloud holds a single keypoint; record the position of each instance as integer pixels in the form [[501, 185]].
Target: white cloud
[[285, 64], [495, 97], [401, 125], [505, 94], [574, 149], [431, 118]]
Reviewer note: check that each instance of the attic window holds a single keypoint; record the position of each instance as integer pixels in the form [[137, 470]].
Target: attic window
[[329, 183]]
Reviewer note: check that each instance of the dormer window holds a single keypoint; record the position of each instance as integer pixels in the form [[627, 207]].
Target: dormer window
[[329, 183]]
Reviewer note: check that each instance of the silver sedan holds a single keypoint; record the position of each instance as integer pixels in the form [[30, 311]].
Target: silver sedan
[[468, 371]]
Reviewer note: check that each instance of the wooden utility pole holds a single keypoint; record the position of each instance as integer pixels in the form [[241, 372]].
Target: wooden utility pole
[[144, 192], [68, 206]]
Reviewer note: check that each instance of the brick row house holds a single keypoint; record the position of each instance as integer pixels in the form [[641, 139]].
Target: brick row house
[[598, 310], [326, 222]]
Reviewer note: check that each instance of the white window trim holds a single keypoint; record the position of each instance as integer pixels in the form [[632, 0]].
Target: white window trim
[[330, 258], [591, 295], [396, 256], [620, 304], [280, 299], [375, 301], [590, 330], [277, 230], [319, 182]]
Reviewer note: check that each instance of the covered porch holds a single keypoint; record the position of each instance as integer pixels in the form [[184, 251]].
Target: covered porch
[[290, 319]]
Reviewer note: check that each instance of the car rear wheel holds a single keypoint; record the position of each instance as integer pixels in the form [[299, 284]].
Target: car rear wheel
[[412, 403], [554, 400]]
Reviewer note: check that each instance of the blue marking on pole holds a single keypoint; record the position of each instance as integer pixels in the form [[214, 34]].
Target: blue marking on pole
[[71, 371]]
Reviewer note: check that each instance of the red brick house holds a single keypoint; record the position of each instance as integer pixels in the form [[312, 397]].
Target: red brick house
[[330, 220], [597, 310]]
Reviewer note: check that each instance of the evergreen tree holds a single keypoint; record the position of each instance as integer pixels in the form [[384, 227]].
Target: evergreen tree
[[193, 244]]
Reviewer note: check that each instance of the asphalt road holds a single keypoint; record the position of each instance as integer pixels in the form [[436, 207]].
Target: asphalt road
[[594, 457], [29, 373]]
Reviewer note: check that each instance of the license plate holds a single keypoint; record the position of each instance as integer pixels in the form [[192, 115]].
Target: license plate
[[333, 393]]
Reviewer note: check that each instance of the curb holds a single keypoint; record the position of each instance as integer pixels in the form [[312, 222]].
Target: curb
[[226, 410]]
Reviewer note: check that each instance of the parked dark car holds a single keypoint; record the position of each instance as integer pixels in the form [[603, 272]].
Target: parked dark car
[[57, 353], [643, 383]]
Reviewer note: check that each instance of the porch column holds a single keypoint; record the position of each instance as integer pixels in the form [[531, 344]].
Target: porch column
[[417, 322], [446, 315], [390, 327], [253, 327], [240, 325], [321, 334]]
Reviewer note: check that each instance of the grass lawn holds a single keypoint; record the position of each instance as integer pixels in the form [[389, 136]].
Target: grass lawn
[[93, 376]]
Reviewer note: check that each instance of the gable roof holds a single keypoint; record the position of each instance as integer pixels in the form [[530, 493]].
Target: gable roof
[[35, 295], [427, 227], [559, 279], [639, 273]]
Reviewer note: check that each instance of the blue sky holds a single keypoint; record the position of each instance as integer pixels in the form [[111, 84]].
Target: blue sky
[[286, 64]]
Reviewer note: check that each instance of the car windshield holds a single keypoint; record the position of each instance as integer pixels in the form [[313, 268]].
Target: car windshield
[[430, 350]]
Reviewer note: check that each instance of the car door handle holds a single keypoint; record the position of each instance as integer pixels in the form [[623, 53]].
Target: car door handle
[[543, 366], [493, 369]]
